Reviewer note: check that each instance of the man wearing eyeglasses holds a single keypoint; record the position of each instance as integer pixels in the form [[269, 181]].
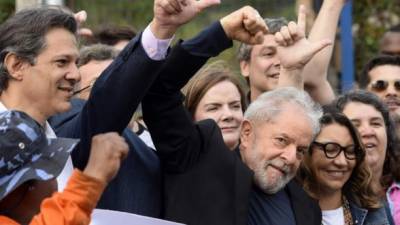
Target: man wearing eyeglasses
[[381, 76]]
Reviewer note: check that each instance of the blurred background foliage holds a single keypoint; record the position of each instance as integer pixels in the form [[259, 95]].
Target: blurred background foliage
[[371, 18], [138, 13], [6, 9]]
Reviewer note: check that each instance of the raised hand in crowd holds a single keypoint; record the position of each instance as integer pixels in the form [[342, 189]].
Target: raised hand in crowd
[[295, 51], [316, 71], [80, 18], [107, 152], [245, 25], [169, 15]]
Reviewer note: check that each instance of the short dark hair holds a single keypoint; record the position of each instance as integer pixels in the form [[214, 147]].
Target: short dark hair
[[274, 26], [379, 60], [111, 35], [395, 28], [371, 99], [98, 52], [24, 34]]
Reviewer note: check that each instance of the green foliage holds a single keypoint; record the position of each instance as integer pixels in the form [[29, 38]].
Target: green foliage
[[6, 9], [138, 13], [371, 19]]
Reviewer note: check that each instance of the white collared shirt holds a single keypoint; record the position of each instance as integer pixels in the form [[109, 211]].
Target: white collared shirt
[[68, 168], [156, 49]]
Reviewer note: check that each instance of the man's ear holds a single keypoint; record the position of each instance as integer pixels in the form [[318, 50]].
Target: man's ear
[[15, 65], [246, 134], [245, 68]]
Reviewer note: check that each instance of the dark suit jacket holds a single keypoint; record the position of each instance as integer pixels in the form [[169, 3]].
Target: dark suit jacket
[[205, 182], [137, 186], [113, 100]]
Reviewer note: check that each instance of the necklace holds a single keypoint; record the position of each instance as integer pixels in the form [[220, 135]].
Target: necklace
[[348, 219]]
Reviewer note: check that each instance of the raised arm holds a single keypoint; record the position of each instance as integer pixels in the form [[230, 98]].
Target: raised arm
[[179, 141], [295, 51], [316, 71], [118, 91]]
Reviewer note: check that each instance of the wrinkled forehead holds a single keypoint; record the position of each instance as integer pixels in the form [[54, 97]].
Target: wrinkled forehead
[[385, 72], [361, 111], [60, 42], [268, 43], [292, 121]]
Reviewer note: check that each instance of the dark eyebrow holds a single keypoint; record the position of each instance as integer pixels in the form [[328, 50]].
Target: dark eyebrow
[[213, 104], [377, 118], [269, 47], [234, 102]]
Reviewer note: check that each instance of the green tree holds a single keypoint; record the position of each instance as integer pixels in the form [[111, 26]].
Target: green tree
[[7, 7], [371, 19], [138, 14]]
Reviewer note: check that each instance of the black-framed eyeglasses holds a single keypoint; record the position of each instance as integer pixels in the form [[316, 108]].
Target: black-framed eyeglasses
[[332, 150], [381, 85]]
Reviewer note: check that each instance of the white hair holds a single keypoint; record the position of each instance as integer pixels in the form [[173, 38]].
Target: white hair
[[269, 104]]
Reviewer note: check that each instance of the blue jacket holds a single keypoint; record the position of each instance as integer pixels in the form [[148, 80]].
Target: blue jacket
[[137, 186], [363, 216], [113, 100]]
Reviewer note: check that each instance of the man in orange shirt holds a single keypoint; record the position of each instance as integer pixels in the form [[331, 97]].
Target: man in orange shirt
[[29, 164]]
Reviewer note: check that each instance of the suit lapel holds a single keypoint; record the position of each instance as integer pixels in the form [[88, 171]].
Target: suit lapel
[[243, 184], [304, 211]]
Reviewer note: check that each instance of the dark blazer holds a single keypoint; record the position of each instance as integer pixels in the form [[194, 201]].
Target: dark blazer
[[113, 100], [205, 182], [137, 186]]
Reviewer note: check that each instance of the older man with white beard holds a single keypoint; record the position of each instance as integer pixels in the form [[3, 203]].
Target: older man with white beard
[[205, 181]]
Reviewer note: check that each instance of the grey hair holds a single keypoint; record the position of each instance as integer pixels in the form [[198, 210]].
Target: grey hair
[[274, 25], [24, 35], [98, 52], [270, 104]]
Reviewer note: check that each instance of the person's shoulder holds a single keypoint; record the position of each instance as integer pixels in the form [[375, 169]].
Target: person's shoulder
[[60, 119], [209, 130]]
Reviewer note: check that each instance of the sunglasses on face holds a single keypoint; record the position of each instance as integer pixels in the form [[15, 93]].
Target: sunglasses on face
[[381, 85], [332, 150]]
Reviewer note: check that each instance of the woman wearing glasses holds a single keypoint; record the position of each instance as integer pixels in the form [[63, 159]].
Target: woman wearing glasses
[[335, 172]]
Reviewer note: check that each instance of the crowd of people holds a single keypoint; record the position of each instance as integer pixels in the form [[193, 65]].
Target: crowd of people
[[131, 123]]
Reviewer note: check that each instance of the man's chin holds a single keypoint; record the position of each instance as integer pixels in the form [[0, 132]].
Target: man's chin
[[65, 107], [395, 115], [273, 186]]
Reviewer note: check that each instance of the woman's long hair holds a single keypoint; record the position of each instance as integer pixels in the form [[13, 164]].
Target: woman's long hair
[[358, 188]]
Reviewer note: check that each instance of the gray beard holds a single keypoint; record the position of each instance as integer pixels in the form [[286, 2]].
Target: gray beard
[[264, 182]]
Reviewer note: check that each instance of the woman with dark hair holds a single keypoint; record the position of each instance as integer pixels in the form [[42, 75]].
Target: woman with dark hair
[[336, 173], [377, 131], [215, 93]]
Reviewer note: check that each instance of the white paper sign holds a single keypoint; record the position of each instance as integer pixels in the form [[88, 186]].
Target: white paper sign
[[107, 217]]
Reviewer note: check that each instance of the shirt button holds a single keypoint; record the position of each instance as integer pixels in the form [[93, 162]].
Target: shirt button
[[21, 146]]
